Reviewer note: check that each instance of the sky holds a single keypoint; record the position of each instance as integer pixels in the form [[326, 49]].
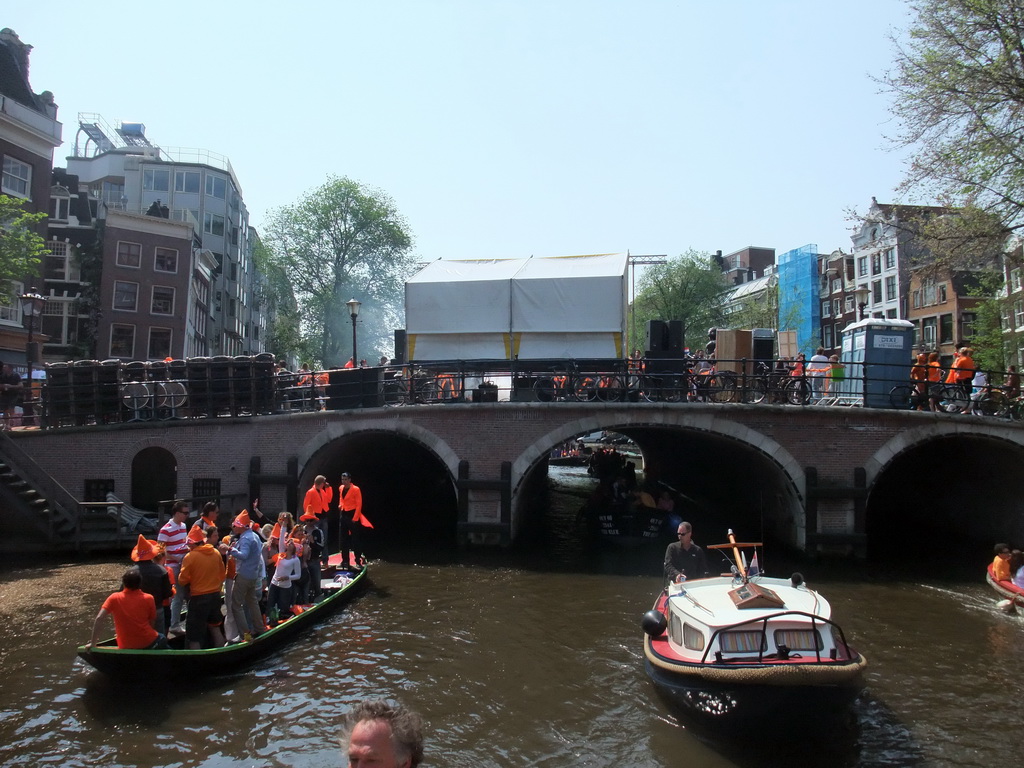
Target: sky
[[509, 129]]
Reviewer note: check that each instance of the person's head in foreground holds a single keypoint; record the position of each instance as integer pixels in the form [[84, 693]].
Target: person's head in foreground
[[382, 734]]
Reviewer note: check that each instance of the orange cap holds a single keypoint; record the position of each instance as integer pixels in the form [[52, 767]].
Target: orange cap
[[196, 535], [242, 521]]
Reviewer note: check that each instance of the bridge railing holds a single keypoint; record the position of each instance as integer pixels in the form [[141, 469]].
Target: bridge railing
[[94, 393]]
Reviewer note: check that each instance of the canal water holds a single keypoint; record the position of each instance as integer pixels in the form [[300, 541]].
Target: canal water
[[532, 657]]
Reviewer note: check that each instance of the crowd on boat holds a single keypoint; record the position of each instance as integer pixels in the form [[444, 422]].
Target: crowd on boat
[[232, 588]]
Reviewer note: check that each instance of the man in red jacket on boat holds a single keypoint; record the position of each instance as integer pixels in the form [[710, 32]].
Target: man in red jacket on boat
[[350, 501]]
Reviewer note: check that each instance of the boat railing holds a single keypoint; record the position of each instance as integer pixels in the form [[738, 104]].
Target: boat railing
[[763, 621]]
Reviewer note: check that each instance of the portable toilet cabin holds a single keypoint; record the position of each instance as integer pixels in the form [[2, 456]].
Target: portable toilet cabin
[[877, 356]]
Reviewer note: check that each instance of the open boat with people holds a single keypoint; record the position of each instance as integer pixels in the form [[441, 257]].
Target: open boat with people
[[748, 650], [1007, 590], [338, 586]]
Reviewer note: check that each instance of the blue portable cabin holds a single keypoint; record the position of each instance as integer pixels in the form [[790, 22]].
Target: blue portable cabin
[[882, 347]]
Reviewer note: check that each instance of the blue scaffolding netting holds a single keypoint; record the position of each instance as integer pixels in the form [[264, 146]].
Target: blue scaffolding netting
[[799, 308]]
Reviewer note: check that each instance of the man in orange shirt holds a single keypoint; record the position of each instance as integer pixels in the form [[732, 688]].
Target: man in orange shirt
[[316, 502], [134, 614], [350, 501], [203, 572]]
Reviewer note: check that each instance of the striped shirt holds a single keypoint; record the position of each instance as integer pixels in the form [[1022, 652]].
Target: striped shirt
[[173, 536]]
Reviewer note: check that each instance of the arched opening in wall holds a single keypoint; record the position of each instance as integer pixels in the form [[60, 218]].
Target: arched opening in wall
[[716, 483], [408, 494], [948, 500], [154, 478]]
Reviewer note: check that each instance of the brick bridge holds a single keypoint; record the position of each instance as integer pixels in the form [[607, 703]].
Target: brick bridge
[[814, 478]]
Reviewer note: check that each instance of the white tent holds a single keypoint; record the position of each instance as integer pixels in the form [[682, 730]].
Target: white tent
[[536, 308]]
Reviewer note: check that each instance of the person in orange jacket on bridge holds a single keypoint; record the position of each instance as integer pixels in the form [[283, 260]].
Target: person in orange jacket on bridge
[[350, 501]]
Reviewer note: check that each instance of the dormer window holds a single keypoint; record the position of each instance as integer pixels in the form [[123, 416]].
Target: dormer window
[[60, 203]]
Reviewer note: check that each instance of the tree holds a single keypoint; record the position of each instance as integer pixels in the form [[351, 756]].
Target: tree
[[689, 288], [21, 247], [957, 91], [342, 241]]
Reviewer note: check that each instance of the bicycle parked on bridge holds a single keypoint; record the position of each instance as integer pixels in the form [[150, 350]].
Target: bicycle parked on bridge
[[577, 386]]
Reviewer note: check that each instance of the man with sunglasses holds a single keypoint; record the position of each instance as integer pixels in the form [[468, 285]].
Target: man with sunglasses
[[684, 559]]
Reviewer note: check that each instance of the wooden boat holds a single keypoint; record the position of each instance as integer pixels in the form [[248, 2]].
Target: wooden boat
[[750, 651], [1007, 590], [339, 586]]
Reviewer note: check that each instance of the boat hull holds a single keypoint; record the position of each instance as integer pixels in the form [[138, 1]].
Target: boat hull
[[741, 703], [185, 664], [1006, 590]]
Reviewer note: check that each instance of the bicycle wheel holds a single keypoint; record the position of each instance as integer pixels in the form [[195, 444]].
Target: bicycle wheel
[[756, 391], [798, 392], [426, 391], [584, 389], [901, 396], [722, 387], [609, 389], [992, 403], [649, 389], [545, 389], [951, 399]]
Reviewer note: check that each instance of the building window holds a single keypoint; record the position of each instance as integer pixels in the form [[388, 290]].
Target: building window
[[945, 329], [1014, 280], [206, 489], [862, 266], [213, 224], [928, 294], [969, 319], [186, 181], [65, 321], [97, 490], [187, 215], [929, 331], [216, 186], [942, 293], [826, 309], [165, 260], [60, 203], [233, 271], [876, 292], [122, 341], [155, 180], [17, 178], [129, 254], [891, 314], [890, 288], [850, 303], [876, 264], [126, 296], [159, 343], [59, 264], [10, 305], [1018, 313], [163, 300], [827, 339], [916, 296]]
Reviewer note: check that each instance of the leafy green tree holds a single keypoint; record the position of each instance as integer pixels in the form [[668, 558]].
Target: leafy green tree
[[341, 241], [689, 288], [21, 246], [957, 90]]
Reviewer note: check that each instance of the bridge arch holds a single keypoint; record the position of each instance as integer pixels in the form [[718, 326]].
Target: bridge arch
[[406, 474], [649, 430], [948, 487]]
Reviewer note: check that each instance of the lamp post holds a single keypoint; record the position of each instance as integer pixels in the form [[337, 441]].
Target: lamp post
[[861, 296], [353, 310], [31, 308]]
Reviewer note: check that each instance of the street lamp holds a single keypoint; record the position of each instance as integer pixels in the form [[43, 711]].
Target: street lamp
[[861, 296], [31, 308], [353, 309]]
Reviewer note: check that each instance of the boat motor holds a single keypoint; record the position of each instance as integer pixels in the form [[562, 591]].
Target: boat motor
[[654, 623]]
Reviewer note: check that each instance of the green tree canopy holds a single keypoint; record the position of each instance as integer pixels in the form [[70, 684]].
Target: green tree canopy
[[341, 241], [21, 247], [689, 288], [957, 90]]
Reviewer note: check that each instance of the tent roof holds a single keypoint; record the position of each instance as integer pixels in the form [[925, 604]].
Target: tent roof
[[472, 270]]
